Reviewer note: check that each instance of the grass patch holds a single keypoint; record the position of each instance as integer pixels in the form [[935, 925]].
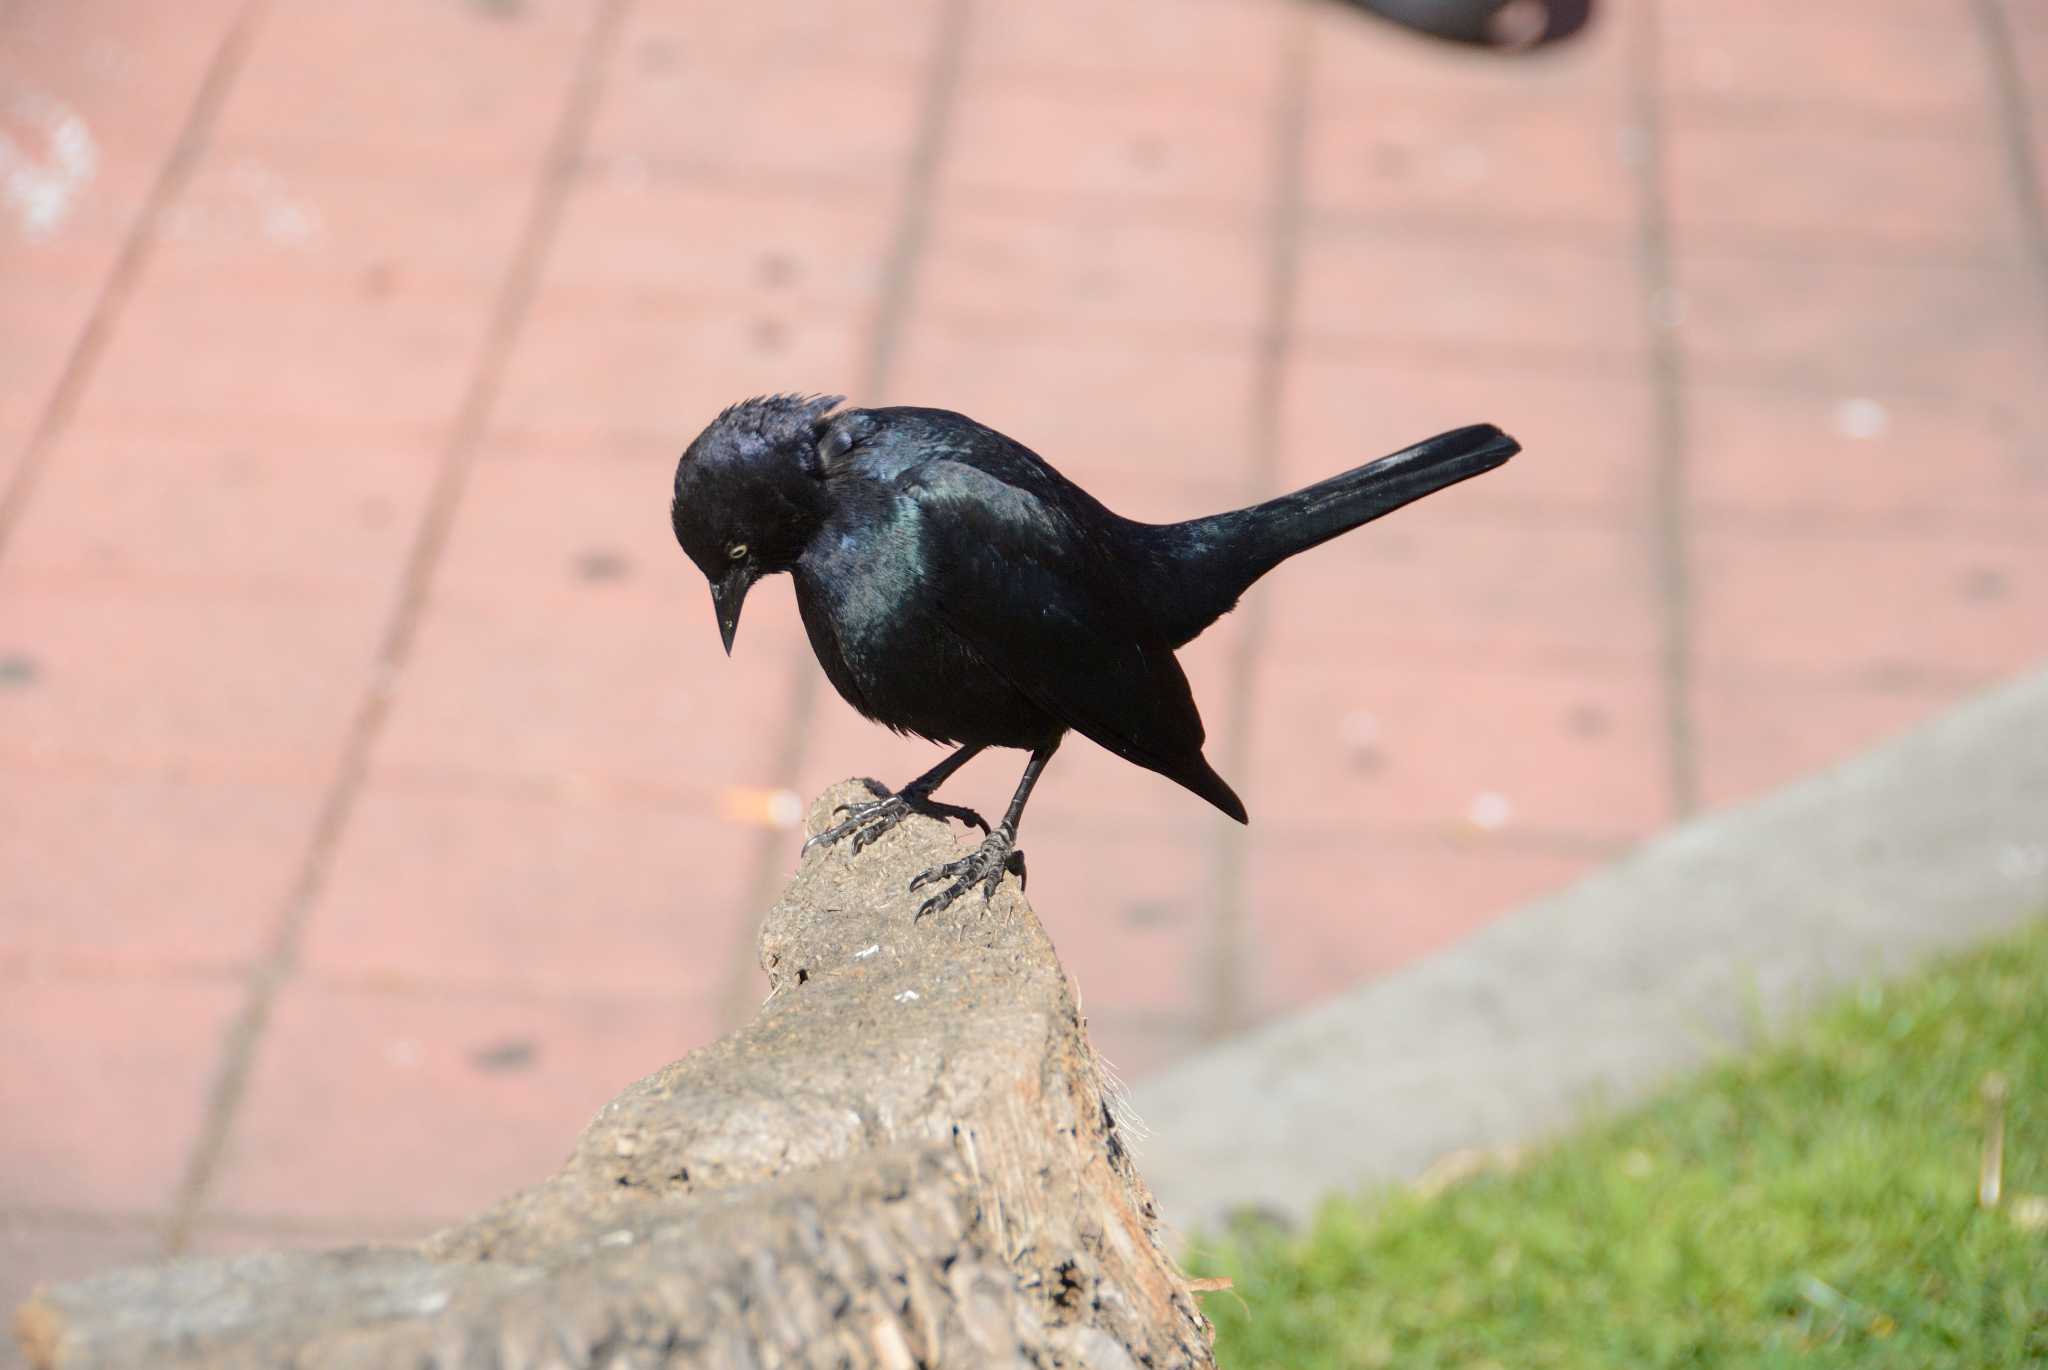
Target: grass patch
[[1812, 1205]]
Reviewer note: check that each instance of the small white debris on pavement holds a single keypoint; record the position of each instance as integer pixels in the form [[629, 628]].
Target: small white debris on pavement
[[1861, 417], [1490, 810]]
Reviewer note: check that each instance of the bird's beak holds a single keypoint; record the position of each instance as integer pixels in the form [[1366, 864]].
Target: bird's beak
[[727, 594]]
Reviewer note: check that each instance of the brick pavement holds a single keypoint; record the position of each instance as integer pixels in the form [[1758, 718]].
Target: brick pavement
[[377, 798]]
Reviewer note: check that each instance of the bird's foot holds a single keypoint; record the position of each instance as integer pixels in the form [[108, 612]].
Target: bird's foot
[[983, 866], [867, 821]]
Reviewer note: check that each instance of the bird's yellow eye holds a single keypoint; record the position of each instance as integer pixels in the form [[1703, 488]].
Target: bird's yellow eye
[[737, 550]]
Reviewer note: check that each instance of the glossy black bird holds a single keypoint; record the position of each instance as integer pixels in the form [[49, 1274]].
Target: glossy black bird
[[955, 586]]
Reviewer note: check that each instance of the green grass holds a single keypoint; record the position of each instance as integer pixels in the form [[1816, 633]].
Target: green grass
[[1812, 1205]]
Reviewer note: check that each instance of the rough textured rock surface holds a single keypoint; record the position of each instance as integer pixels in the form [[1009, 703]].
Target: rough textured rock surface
[[905, 1159]]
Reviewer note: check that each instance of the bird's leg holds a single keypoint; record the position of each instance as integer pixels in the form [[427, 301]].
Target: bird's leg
[[984, 865], [868, 820]]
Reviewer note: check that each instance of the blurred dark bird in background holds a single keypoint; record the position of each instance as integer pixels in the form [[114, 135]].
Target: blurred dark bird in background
[[1510, 25], [955, 586]]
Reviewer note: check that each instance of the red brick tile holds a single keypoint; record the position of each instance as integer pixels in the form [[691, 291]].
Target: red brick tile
[[14, 443], [366, 1089], [449, 85], [563, 515], [1757, 732], [817, 120], [1886, 459], [1874, 610], [1352, 50], [205, 863], [373, 351], [663, 35], [1586, 438], [690, 241], [597, 684], [1434, 583], [601, 362], [603, 691], [491, 885], [1127, 911], [1200, 151], [128, 73], [44, 314], [1093, 405], [80, 209], [1200, 44], [1921, 13], [2023, 20], [39, 1251], [1473, 295], [1333, 911], [86, 1060], [567, 636], [1825, 320], [352, 218], [226, 502], [1531, 164], [1851, 68], [1456, 749], [1083, 271], [258, 677], [1766, 181]]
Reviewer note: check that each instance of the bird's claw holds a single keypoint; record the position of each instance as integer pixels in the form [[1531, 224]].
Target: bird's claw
[[867, 821], [983, 866]]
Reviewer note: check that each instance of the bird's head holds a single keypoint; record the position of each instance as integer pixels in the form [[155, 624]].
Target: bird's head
[[748, 498]]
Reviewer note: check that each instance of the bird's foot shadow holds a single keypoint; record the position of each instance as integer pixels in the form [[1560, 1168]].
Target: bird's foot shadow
[[866, 822], [983, 866]]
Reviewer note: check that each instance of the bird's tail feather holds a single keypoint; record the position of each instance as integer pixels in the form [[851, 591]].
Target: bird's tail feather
[[1279, 528], [1199, 776], [1216, 559]]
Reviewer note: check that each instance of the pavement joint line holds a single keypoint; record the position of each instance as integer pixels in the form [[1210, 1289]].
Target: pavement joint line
[[1224, 992], [128, 267], [2016, 127], [1671, 541], [892, 316], [508, 312]]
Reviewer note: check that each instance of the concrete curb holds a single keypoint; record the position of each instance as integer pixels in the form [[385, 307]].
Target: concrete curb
[[1595, 995]]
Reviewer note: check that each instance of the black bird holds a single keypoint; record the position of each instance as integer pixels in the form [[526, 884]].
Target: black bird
[[955, 586]]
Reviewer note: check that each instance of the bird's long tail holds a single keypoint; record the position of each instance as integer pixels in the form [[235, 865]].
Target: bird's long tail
[[1215, 559]]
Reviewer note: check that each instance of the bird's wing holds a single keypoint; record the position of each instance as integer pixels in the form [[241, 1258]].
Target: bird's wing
[[1050, 612]]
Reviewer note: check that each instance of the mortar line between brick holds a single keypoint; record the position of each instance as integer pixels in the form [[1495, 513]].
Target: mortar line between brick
[[878, 370], [2016, 125], [1671, 549], [508, 312], [127, 269], [1223, 1009]]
